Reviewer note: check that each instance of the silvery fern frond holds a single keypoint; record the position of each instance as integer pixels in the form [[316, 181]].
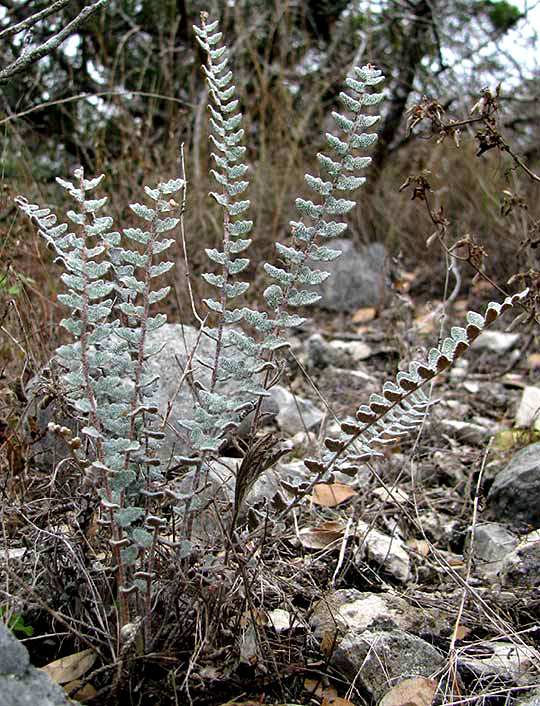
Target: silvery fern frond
[[402, 405], [318, 224], [236, 353], [229, 172]]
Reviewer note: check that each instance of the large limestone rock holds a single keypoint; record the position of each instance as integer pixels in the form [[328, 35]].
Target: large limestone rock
[[182, 347], [357, 277], [20, 683]]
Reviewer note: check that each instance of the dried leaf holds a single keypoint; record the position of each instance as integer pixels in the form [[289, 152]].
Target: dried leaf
[[337, 701], [329, 695], [396, 495], [314, 686], [417, 691], [533, 360], [72, 667], [462, 632], [74, 690], [420, 546], [328, 643], [332, 494], [365, 314], [322, 536]]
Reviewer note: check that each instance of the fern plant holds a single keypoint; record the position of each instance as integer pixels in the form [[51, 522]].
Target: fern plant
[[105, 369], [402, 405], [110, 295]]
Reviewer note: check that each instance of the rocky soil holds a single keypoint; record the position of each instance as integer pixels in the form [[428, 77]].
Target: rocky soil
[[415, 581]]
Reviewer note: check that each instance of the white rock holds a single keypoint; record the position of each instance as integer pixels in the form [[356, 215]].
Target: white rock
[[281, 620], [466, 431], [528, 413], [355, 350], [389, 552], [496, 341], [505, 659], [349, 609]]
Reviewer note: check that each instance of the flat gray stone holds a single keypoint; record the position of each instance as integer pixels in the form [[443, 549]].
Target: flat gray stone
[[521, 567], [492, 542], [377, 660], [531, 699], [14, 657], [295, 413], [515, 493]]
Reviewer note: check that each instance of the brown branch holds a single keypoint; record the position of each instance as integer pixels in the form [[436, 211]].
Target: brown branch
[[34, 55]]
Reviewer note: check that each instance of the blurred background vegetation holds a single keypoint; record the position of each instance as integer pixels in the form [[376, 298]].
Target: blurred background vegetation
[[125, 89]]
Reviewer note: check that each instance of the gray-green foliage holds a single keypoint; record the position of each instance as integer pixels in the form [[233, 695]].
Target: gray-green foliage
[[110, 280], [110, 292], [249, 359]]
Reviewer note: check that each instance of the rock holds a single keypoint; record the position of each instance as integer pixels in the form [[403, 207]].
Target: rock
[[515, 493], [295, 413], [498, 342], [440, 528], [492, 542], [214, 501], [528, 413], [376, 659], [530, 699], [490, 658], [212, 504], [177, 344], [351, 610], [387, 551], [357, 277], [467, 432], [459, 370], [521, 567], [338, 354], [20, 683]]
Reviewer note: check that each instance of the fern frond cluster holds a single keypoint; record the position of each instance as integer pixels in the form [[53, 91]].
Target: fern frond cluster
[[110, 293], [110, 280]]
